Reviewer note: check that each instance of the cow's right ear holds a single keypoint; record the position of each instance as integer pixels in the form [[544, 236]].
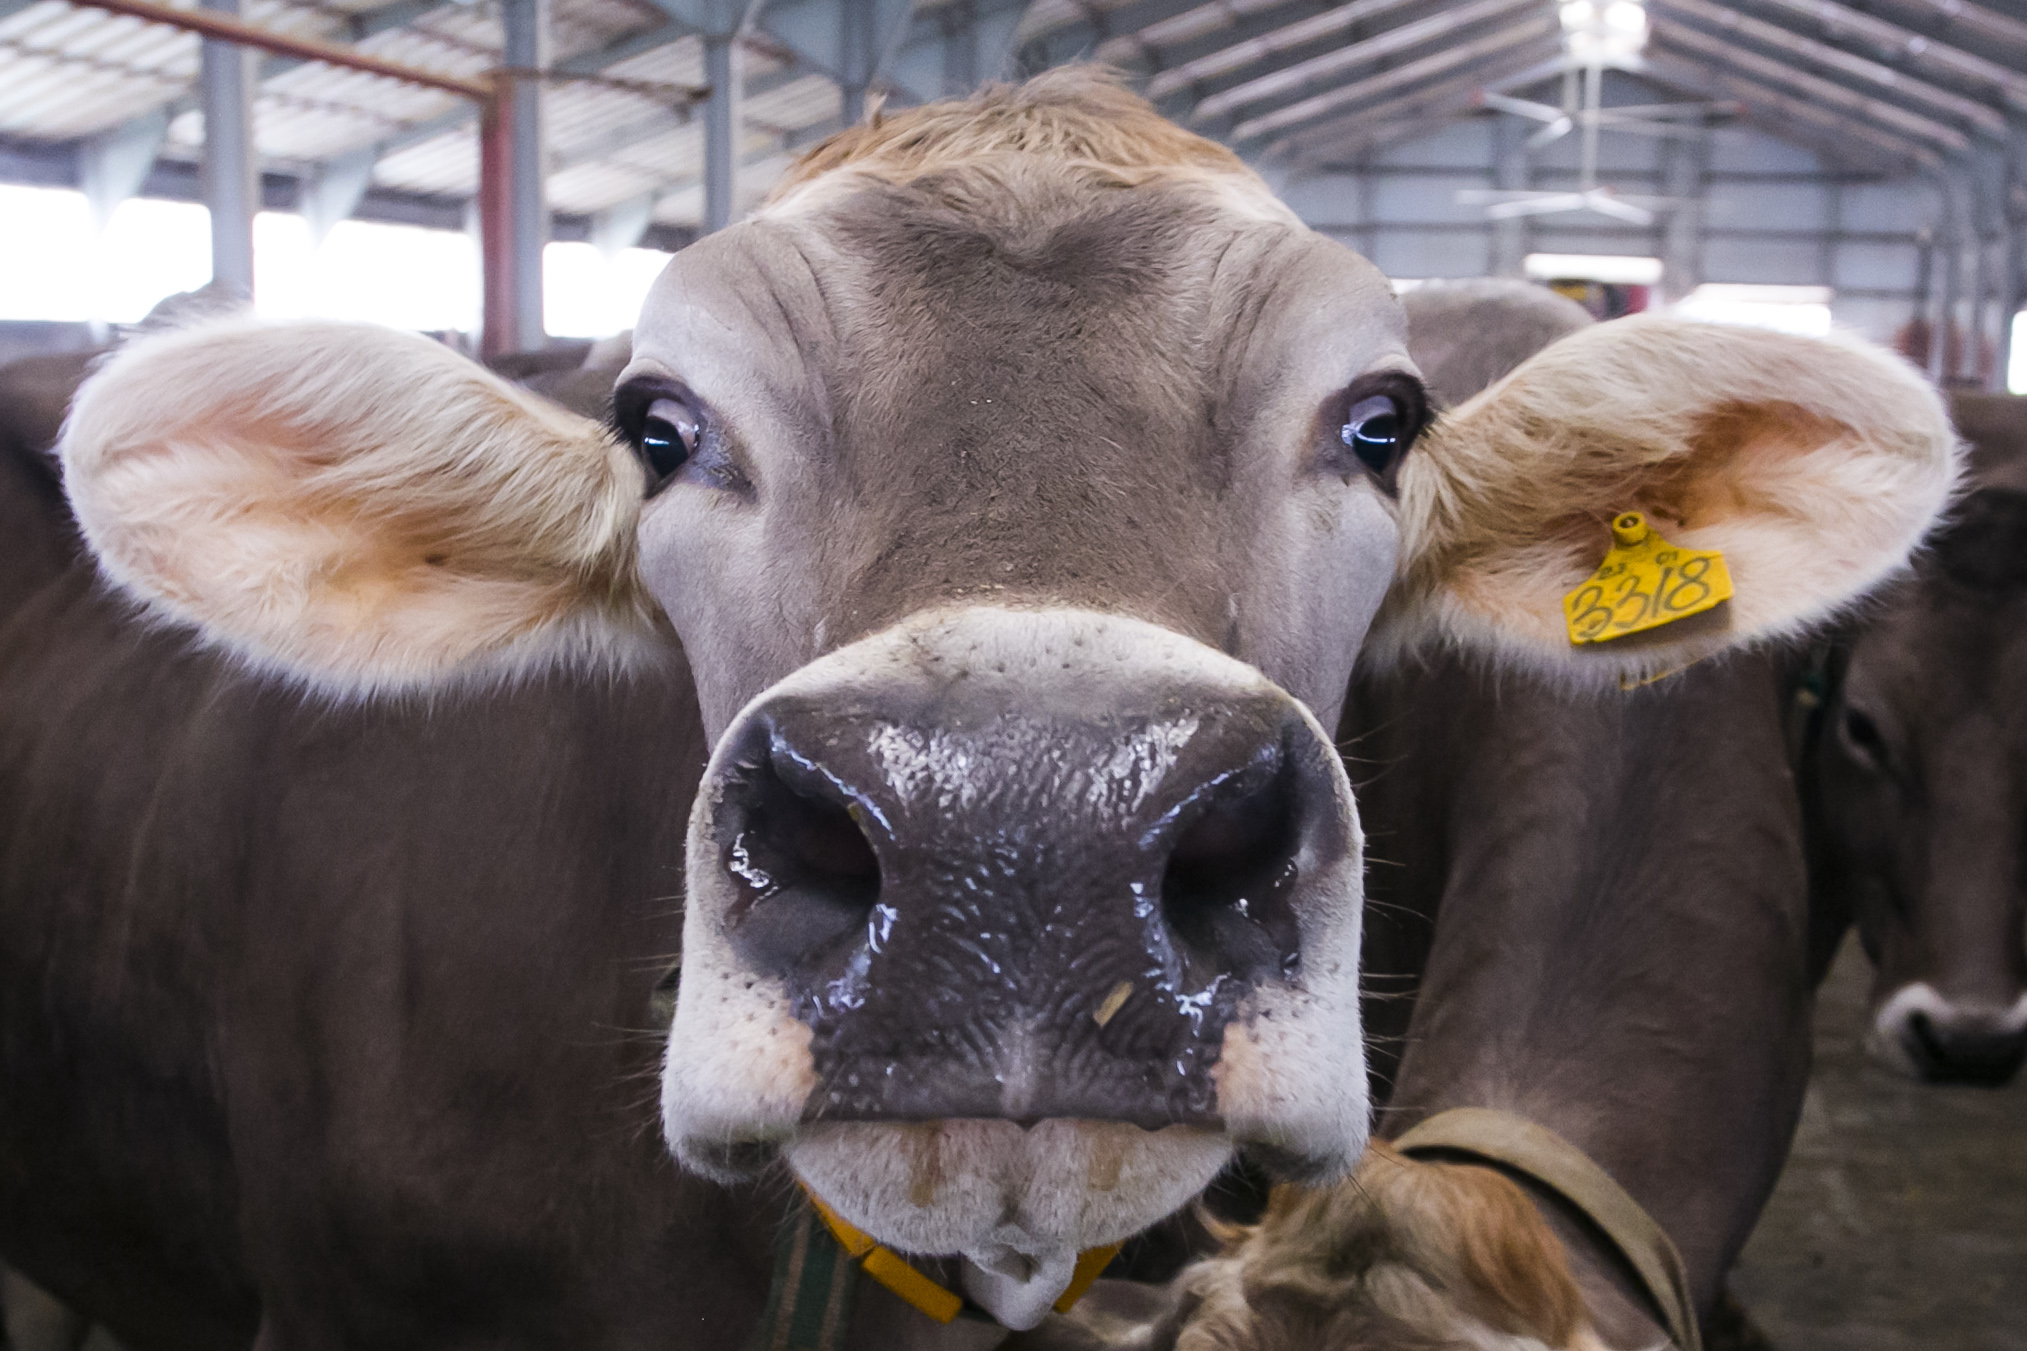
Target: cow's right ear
[[356, 508], [1814, 465]]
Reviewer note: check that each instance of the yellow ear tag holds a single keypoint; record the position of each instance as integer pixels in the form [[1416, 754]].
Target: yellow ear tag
[[1643, 583]]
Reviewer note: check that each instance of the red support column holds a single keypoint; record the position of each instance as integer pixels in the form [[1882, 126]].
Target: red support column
[[502, 320]]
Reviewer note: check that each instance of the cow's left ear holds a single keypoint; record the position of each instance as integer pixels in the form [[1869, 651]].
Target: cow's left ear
[[1815, 465], [356, 508]]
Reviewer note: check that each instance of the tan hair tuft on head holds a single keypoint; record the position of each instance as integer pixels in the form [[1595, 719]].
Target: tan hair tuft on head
[[1082, 116]]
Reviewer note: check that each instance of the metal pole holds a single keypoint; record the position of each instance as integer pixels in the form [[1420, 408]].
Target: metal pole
[[231, 175], [721, 130], [223, 25], [1683, 178], [1594, 99], [501, 332], [1509, 174], [1941, 286], [855, 57], [959, 21], [2010, 214], [527, 55], [1976, 279]]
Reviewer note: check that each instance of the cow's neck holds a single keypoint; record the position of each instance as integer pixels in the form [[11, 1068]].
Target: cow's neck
[[1622, 945]]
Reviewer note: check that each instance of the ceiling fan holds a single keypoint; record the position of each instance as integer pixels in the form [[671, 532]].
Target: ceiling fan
[[1597, 35]]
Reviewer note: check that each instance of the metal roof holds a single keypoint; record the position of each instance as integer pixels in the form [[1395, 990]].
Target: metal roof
[[1878, 86], [1875, 86]]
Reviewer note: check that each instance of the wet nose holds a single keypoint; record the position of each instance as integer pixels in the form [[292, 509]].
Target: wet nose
[[997, 905], [1956, 1043], [1953, 1040]]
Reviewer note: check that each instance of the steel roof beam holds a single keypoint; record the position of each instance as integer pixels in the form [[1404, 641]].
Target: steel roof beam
[[1761, 100], [1916, 48], [1431, 106], [1393, 42], [1288, 38], [1976, 19], [1175, 29], [1400, 77], [1942, 100], [1889, 115]]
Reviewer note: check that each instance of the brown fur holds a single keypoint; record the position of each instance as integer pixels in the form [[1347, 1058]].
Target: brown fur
[[1404, 1255]]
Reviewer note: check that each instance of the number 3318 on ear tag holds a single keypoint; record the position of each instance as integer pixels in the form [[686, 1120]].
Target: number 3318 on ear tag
[[1643, 583]]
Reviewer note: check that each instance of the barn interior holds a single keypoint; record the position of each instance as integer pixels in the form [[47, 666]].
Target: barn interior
[[511, 176]]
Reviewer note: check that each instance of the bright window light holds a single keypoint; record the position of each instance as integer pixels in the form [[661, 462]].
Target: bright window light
[[1616, 269], [1403, 285], [150, 249], [586, 294], [403, 276], [1787, 309], [54, 228]]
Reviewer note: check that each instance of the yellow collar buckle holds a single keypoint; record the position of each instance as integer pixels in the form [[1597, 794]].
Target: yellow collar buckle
[[892, 1270]]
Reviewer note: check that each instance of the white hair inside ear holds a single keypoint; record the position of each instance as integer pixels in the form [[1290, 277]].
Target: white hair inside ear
[[356, 508], [1814, 465]]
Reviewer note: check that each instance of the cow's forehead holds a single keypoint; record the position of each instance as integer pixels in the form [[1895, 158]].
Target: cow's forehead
[[1254, 300]]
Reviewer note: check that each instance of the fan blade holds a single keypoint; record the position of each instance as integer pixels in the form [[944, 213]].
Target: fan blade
[[1554, 131]]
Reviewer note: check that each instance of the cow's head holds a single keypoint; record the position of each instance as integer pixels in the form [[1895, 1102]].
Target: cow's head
[[1924, 786], [1022, 483]]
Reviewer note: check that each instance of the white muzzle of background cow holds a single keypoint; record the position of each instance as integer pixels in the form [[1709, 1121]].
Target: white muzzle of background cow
[[1924, 1034], [1007, 927]]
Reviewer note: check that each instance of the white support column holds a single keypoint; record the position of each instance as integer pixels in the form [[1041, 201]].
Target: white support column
[[231, 169], [527, 51]]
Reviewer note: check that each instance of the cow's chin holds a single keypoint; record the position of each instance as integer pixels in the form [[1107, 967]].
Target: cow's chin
[[1013, 1200]]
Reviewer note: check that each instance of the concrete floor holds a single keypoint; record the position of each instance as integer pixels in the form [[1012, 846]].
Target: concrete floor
[[1901, 1222]]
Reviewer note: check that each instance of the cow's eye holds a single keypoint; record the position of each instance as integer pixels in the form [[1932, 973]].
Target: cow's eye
[[1372, 424], [670, 434], [1372, 431]]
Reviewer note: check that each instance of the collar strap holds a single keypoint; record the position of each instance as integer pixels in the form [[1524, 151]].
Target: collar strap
[[892, 1270], [1545, 1157]]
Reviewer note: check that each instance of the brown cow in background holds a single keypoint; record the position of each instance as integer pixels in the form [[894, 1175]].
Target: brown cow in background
[[1923, 778]]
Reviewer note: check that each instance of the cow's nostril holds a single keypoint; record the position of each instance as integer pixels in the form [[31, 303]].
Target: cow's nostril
[[1231, 868], [808, 873], [1952, 1055]]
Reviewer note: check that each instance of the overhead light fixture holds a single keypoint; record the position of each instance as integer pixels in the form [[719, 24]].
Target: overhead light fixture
[[1615, 30]]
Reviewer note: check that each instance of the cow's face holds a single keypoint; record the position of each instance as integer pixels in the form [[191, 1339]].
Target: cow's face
[[1923, 793], [1014, 532], [1021, 487]]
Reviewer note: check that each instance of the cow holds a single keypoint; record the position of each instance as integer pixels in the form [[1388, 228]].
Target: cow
[[1587, 911], [1002, 506], [1920, 798]]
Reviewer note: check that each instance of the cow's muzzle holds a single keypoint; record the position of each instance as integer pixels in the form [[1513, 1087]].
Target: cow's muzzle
[[1031, 868], [1923, 1033]]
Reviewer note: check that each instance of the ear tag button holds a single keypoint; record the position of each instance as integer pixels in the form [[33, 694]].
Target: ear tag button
[[1644, 583]]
